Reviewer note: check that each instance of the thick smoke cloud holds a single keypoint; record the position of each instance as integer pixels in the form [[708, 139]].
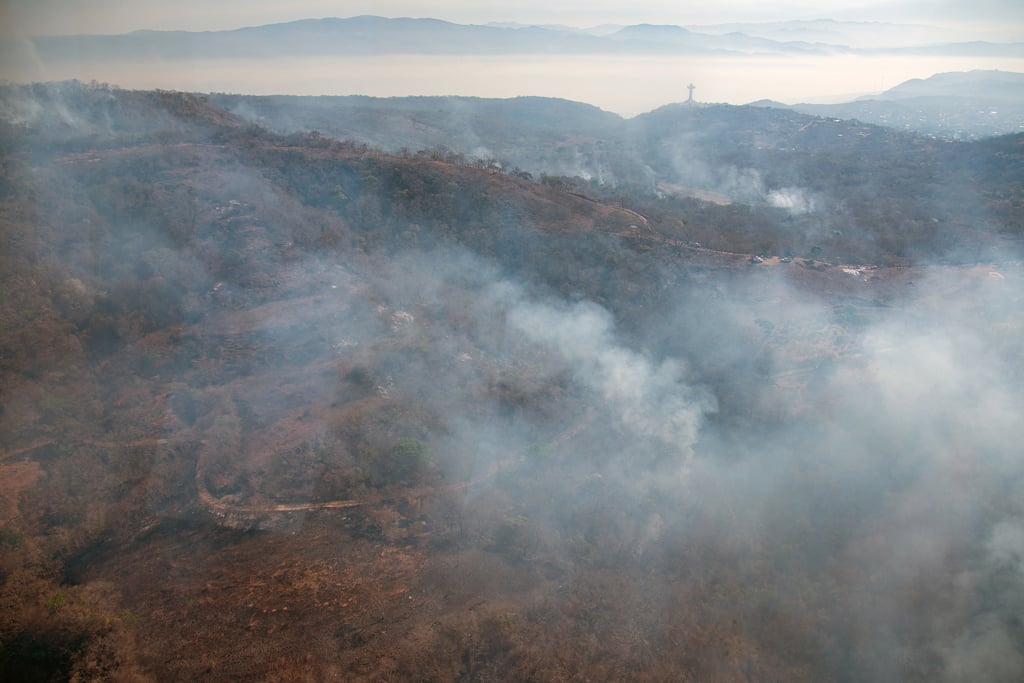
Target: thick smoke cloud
[[649, 399], [793, 199], [901, 481], [897, 479]]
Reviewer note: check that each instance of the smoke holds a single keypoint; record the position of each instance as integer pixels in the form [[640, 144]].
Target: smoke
[[650, 399], [20, 61], [529, 339], [834, 468], [1006, 545], [693, 166], [793, 199], [40, 106], [886, 501], [986, 652]]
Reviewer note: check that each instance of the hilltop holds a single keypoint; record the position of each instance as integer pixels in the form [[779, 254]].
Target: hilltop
[[797, 172]]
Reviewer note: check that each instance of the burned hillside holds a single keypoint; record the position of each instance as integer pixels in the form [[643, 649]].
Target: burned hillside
[[284, 406]]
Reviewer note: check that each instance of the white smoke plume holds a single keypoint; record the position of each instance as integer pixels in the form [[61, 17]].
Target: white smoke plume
[[651, 399]]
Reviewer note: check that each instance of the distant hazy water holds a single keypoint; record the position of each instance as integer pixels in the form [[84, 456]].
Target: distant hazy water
[[626, 85]]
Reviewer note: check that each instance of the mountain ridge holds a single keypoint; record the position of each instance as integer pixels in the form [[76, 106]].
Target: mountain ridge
[[958, 105]]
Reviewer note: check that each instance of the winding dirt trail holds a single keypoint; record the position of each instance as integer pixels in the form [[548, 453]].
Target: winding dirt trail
[[15, 452], [224, 508]]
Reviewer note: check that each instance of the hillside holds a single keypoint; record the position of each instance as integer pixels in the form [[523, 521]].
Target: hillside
[[515, 130], [956, 105], [276, 406], [981, 85], [811, 183]]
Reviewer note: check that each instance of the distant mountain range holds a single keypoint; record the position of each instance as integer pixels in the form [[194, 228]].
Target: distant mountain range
[[999, 85], [860, 34], [372, 35]]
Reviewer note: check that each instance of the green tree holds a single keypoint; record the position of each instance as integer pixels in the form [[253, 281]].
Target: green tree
[[402, 462]]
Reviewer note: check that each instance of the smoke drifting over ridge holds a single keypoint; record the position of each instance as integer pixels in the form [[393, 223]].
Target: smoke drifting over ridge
[[820, 470]]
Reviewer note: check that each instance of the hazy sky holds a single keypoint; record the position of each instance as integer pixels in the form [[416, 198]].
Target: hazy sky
[[36, 17], [624, 86]]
